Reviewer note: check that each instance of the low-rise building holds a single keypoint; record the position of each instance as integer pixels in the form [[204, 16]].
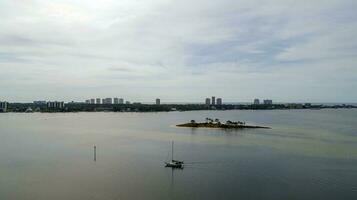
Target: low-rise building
[[256, 102], [55, 104], [92, 101], [87, 101], [157, 101], [97, 100], [307, 105], [267, 101], [39, 102]]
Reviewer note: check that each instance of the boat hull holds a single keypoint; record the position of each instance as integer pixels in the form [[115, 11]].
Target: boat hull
[[174, 165]]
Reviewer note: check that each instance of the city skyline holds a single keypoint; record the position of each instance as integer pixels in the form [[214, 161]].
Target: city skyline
[[180, 51], [153, 101]]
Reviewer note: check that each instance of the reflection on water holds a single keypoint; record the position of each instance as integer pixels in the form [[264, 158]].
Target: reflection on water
[[306, 155]]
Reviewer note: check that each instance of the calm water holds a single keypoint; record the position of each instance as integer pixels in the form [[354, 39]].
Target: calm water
[[308, 154]]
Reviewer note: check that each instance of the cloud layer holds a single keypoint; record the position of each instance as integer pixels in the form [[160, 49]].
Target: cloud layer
[[178, 50]]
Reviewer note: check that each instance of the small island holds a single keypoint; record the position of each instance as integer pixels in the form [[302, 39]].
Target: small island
[[210, 123]]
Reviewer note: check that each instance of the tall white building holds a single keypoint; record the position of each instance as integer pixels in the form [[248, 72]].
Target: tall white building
[[116, 100], [256, 101], [208, 101], [213, 101], [107, 101], [219, 101], [121, 101], [3, 106], [157, 101]]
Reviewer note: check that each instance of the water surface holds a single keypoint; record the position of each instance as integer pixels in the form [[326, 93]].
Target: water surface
[[308, 154]]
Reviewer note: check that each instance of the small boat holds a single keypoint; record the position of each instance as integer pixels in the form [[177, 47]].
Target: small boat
[[174, 163]]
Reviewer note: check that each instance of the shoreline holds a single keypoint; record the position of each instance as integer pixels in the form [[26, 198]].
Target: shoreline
[[144, 108], [160, 111], [219, 125]]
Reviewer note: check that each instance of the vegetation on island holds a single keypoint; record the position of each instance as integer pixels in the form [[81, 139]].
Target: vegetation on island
[[216, 123]]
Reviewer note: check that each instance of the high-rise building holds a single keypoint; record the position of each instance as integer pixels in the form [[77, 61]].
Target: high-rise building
[[256, 101], [107, 101], [208, 101], [121, 101], [268, 102], [157, 101], [213, 102], [219, 101], [92, 101], [97, 100], [88, 101], [3, 106], [116, 100]]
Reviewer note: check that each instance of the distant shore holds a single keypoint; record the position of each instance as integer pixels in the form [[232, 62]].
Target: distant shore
[[138, 107]]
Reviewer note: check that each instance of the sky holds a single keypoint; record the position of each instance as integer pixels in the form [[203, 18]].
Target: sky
[[179, 50]]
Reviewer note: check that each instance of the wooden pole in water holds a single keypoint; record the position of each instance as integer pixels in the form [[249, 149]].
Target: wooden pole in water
[[95, 153]]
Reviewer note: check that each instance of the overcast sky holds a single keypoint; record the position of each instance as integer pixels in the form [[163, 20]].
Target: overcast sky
[[182, 50]]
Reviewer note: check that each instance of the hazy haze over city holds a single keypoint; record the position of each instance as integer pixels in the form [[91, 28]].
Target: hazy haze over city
[[178, 50]]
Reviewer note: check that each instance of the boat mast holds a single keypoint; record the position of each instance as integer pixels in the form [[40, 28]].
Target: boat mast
[[172, 150]]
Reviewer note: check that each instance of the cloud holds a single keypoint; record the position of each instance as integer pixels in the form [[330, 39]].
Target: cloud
[[180, 50]]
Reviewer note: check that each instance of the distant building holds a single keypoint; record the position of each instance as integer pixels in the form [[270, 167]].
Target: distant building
[[73, 102], [87, 101], [219, 101], [157, 101], [92, 101], [3, 106], [107, 101], [29, 110], [256, 102], [213, 101], [121, 101], [268, 102], [116, 100], [39, 102], [208, 101], [55, 104], [97, 100], [127, 102]]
